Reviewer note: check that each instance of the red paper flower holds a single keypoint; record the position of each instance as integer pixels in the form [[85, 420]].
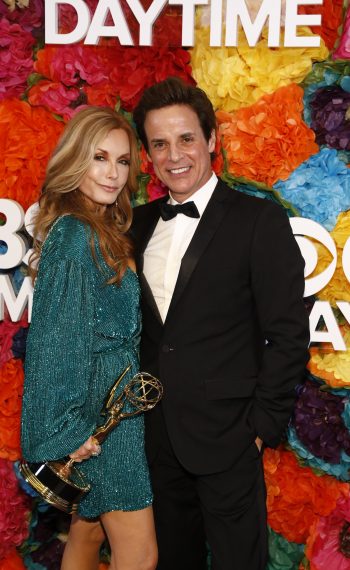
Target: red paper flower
[[332, 14], [31, 135], [16, 47], [141, 67], [296, 497], [14, 527], [268, 140], [12, 561], [11, 390]]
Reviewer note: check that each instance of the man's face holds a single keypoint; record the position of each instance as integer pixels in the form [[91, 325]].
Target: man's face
[[178, 149]]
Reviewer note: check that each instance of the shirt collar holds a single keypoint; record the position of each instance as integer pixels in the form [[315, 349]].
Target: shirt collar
[[202, 196]]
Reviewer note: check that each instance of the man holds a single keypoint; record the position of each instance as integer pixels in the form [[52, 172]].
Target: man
[[224, 328]]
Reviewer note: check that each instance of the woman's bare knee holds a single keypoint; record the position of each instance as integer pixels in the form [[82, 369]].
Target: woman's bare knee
[[87, 531], [132, 539]]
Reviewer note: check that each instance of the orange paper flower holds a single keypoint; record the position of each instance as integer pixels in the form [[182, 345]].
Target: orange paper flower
[[296, 496], [31, 135], [268, 140], [11, 389]]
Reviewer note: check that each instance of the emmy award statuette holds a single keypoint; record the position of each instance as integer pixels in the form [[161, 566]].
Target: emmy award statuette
[[60, 482]]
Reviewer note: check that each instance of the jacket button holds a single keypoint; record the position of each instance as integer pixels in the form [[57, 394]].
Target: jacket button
[[167, 348]]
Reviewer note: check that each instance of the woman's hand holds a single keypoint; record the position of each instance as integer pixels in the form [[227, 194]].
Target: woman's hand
[[85, 451]]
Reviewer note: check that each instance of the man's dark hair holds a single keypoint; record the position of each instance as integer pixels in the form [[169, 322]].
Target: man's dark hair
[[174, 91]]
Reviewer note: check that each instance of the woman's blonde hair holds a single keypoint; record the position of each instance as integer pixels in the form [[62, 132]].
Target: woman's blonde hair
[[67, 167]]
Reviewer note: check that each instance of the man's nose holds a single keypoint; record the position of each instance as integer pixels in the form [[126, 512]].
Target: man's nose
[[174, 153]]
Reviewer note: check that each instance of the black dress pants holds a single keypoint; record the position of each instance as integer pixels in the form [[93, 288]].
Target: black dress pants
[[225, 510]]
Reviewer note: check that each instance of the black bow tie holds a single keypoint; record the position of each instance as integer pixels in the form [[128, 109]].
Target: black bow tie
[[168, 211]]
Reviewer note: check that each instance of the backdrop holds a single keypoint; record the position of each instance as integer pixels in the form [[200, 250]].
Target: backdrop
[[284, 124]]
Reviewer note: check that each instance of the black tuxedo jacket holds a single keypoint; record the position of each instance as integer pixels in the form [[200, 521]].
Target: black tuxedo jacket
[[234, 343]]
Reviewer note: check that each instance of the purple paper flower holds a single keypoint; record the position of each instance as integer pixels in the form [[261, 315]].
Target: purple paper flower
[[16, 63], [319, 424], [329, 117]]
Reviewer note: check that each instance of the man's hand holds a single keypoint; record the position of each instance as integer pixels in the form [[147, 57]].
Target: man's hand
[[259, 442]]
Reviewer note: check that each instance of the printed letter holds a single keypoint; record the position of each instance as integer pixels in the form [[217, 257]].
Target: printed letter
[[146, 19], [188, 10], [98, 29], [51, 22], [293, 19], [270, 9]]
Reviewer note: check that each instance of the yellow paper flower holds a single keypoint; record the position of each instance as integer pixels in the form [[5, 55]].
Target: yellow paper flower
[[333, 367], [235, 77], [338, 288]]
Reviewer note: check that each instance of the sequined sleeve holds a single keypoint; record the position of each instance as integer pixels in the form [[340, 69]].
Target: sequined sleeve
[[58, 366]]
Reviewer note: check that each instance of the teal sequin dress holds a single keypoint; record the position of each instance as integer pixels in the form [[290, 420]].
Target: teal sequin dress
[[82, 336]]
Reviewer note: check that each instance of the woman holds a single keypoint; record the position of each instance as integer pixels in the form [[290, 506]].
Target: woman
[[84, 332]]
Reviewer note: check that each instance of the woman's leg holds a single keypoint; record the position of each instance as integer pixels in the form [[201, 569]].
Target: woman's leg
[[132, 539], [83, 545]]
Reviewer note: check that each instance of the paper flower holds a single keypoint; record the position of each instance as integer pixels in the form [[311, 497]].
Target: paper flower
[[57, 98], [325, 74], [332, 366], [13, 512], [319, 187], [338, 288], [29, 18], [328, 546], [32, 134], [16, 63], [237, 77], [329, 108], [140, 67], [307, 459], [283, 554], [267, 141], [296, 496], [12, 561], [318, 422], [331, 18], [19, 342], [11, 390], [8, 330], [343, 50]]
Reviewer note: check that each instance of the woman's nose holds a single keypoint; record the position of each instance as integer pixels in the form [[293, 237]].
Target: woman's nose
[[112, 170]]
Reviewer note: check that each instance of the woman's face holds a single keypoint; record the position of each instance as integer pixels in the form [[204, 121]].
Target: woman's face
[[109, 169]]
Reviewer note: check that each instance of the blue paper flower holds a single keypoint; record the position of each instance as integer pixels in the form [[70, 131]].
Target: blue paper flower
[[319, 188], [339, 471]]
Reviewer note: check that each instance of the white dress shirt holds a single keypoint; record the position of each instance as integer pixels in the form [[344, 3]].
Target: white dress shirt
[[168, 244]]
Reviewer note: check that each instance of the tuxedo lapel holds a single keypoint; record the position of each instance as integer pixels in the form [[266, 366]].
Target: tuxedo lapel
[[207, 227]]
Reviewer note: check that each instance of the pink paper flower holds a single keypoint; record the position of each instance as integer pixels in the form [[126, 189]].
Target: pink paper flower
[[14, 512], [16, 46], [328, 547], [57, 98], [343, 50], [29, 18]]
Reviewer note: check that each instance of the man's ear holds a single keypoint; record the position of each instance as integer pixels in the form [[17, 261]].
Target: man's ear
[[212, 141]]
